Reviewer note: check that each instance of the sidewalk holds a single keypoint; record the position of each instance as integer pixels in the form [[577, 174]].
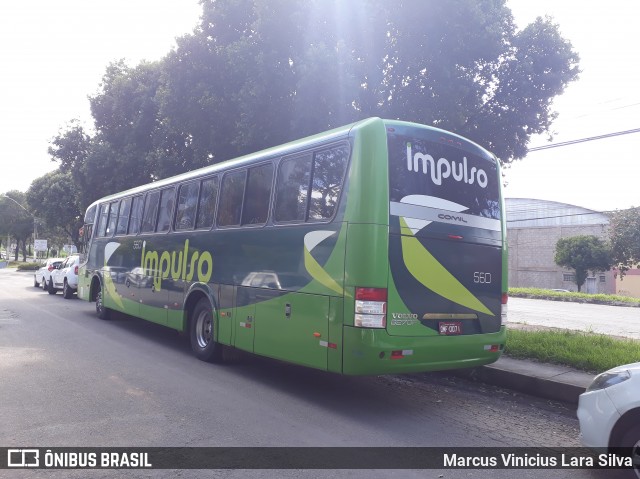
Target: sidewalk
[[550, 381]]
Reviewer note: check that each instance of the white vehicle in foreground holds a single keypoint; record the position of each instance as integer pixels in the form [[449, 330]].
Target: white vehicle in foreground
[[609, 412], [65, 278], [43, 275]]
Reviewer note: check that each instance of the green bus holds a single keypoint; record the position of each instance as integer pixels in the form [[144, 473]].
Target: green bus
[[374, 248]]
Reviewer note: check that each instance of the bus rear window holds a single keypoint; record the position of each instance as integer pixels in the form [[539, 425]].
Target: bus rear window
[[429, 169]]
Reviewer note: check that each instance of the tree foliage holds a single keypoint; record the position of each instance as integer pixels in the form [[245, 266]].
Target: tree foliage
[[624, 235], [254, 74], [15, 220], [53, 199], [583, 254]]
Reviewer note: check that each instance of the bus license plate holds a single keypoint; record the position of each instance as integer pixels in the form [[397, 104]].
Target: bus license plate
[[449, 328]]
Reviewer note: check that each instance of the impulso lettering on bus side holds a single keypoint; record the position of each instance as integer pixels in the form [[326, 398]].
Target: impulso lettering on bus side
[[161, 265]]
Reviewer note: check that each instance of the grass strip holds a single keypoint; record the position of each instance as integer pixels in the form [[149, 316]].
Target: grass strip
[[539, 293], [589, 352]]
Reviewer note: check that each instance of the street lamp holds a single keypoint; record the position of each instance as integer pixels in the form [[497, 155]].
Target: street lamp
[[35, 224]]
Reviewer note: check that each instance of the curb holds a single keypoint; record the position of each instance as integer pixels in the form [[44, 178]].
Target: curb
[[549, 381]]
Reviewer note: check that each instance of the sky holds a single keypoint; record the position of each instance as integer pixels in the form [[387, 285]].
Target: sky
[[53, 56], [601, 175]]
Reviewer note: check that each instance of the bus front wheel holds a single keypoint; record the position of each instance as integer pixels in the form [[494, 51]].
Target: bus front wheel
[[101, 310], [201, 333]]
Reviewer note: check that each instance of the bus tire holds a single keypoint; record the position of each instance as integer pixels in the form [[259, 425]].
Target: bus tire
[[201, 333], [101, 310]]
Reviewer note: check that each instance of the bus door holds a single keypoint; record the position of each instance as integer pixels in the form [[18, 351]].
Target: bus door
[[244, 319], [153, 290]]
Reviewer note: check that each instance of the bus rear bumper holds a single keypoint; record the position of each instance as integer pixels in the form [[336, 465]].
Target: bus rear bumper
[[374, 351]]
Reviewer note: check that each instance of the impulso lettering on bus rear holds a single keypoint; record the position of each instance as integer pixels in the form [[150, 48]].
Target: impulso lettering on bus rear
[[161, 265], [444, 168]]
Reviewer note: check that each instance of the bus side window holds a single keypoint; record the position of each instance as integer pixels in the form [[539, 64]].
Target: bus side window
[[257, 195], [150, 212], [167, 197], [102, 220], [207, 203], [187, 203], [113, 216], [328, 172], [292, 189], [136, 215], [123, 216], [231, 196]]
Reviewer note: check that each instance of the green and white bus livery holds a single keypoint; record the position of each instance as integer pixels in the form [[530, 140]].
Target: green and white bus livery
[[375, 248]]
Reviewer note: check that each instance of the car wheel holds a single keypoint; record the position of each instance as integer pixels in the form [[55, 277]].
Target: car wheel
[[51, 289], [102, 311], [67, 292], [35, 282], [43, 284], [631, 442], [202, 333]]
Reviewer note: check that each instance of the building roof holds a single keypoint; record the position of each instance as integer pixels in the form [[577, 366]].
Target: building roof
[[531, 213]]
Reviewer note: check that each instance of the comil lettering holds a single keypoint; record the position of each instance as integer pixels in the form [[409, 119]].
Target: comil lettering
[[444, 168], [178, 264], [460, 219]]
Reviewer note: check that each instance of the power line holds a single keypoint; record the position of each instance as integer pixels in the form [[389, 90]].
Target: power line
[[582, 140]]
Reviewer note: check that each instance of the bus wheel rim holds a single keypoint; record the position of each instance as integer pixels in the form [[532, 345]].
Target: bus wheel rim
[[203, 329]]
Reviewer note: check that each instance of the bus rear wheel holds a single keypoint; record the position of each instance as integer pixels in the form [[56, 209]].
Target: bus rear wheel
[[201, 333]]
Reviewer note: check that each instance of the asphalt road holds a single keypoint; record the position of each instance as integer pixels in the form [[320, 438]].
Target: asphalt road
[[597, 318], [69, 379]]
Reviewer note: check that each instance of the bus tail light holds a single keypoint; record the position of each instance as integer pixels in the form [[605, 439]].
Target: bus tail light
[[503, 308], [371, 308]]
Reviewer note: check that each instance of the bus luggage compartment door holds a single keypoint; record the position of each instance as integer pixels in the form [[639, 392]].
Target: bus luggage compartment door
[[293, 327]]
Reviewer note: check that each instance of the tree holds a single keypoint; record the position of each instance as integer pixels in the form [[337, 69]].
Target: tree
[[53, 198], [16, 220], [624, 235], [459, 65], [583, 254], [255, 74]]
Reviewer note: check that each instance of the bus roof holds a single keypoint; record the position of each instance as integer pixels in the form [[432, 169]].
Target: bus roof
[[342, 132], [287, 148]]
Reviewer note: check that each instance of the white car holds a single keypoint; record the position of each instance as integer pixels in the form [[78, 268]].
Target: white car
[[65, 278], [43, 275], [609, 412]]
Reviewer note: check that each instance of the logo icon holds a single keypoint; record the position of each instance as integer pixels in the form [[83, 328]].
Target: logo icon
[[23, 458]]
